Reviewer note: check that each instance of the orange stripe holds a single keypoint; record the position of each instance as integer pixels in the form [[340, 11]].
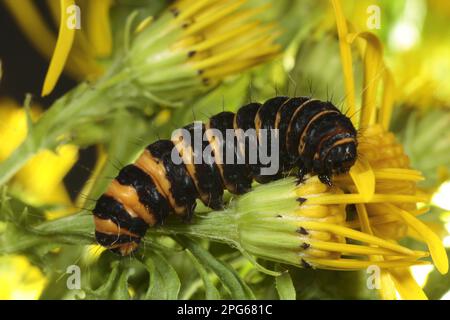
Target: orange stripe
[[129, 198], [212, 140], [293, 116], [302, 143], [339, 142], [109, 227], [278, 115], [125, 248], [187, 154], [155, 169], [239, 134]]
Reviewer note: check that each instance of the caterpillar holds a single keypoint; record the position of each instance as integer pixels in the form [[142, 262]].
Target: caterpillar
[[313, 136]]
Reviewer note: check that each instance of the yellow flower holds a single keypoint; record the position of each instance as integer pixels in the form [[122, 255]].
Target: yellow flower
[[79, 49], [168, 61], [19, 280], [424, 85], [191, 47], [206, 35], [307, 225], [384, 187], [39, 182], [418, 32]]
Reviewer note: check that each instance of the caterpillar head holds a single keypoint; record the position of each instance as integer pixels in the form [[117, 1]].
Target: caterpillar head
[[341, 157]]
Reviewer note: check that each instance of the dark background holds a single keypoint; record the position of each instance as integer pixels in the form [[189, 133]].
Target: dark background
[[24, 71]]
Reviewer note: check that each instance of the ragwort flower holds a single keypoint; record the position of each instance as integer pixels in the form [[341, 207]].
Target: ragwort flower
[[192, 47], [75, 51], [39, 182], [165, 61], [386, 197], [306, 225], [358, 221]]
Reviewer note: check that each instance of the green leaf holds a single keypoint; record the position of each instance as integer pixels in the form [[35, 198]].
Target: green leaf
[[103, 292], [211, 292], [227, 275], [121, 288], [285, 286], [437, 284], [164, 281]]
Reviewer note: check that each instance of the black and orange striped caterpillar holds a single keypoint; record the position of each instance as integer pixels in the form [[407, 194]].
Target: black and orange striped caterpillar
[[314, 136]]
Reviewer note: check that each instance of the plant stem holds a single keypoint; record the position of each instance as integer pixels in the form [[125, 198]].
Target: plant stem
[[217, 226]]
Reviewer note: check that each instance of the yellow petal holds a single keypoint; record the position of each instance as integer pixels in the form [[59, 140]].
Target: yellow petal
[[144, 24], [81, 63], [43, 173], [387, 290], [213, 14], [364, 178], [19, 279], [372, 75], [60, 198], [98, 27], [356, 235], [13, 128], [406, 286], [353, 264], [351, 249], [364, 219], [358, 198], [387, 105], [62, 49], [434, 243], [189, 9], [346, 57]]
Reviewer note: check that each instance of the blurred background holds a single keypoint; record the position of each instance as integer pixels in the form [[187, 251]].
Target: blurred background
[[416, 39]]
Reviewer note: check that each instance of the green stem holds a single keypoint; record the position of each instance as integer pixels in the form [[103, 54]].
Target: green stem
[[57, 123], [16, 161], [218, 226]]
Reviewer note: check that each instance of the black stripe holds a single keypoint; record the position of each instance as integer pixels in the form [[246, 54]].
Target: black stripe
[[267, 114], [286, 112], [109, 208], [237, 177], [181, 186], [207, 174], [245, 120], [147, 191], [107, 240], [328, 143], [301, 120], [245, 116], [316, 133]]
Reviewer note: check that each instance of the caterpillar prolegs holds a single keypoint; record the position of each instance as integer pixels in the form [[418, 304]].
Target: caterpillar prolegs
[[311, 135]]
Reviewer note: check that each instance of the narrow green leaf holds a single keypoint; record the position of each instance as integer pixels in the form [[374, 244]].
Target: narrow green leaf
[[211, 292], [121, 288], [229, 277], [285, 286], [164, 281], [104, 291]]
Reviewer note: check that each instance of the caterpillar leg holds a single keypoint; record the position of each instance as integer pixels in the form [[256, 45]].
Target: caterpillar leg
[[325, 179], [301, 173]]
